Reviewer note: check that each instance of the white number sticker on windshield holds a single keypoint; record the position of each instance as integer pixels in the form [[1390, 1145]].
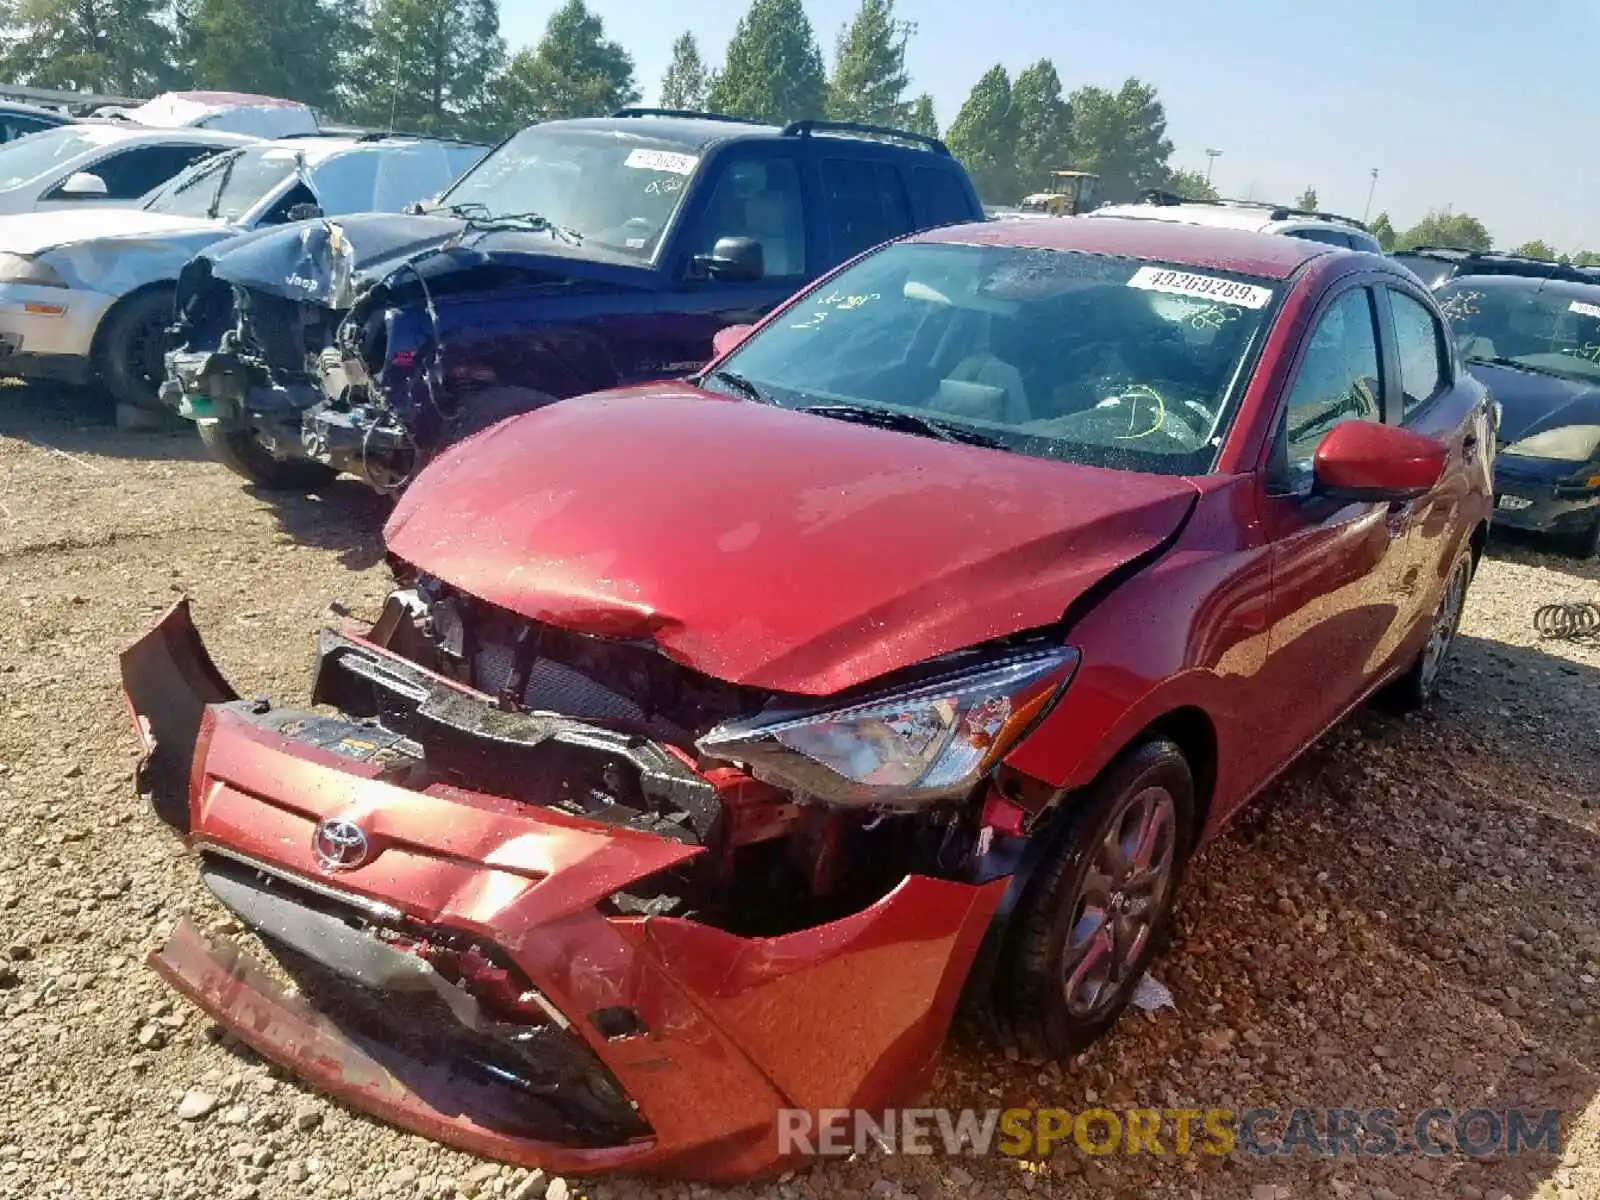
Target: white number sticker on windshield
[[1210, 287], [661, 160], [1586, 310]]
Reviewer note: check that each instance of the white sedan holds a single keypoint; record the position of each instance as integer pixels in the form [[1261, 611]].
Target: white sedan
[[86, 300], [100, 164]]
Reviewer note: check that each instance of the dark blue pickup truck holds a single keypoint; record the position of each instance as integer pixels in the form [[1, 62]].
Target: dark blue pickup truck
[[578, 255]]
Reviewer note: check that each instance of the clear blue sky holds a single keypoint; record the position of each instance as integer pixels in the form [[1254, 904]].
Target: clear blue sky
[[1490, 107]]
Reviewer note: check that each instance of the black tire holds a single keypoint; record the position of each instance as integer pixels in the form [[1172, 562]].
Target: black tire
[[1417, 687], [1032, 991], [234, 445], [1583, 542], [130, 355]]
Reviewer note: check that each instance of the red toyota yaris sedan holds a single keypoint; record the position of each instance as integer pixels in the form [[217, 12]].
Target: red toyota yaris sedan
[[719, 734]]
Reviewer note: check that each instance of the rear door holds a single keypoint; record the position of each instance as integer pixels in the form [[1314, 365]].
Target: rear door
[[1433, 396], [1336, 566], [864, 204]]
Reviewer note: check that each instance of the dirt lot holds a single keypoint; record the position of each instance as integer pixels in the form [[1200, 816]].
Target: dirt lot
[[1411, 918]]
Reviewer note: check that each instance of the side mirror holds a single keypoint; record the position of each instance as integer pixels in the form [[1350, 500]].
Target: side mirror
[[725, 341], [304, 212], [735, 258], [84, 185], [1366, 461]]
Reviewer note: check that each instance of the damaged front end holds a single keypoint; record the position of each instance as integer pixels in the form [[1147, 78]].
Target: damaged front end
[[316, 350], [560, 900]]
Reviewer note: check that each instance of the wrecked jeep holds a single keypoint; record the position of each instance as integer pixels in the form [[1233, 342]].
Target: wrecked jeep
[[579, 255]]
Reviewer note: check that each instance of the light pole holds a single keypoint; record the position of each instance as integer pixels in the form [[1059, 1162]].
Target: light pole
[[1211, 157], [1372, 188]]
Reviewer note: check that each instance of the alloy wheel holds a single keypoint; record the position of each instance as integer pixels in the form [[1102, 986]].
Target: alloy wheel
[[1442, 633], [1120, 900]]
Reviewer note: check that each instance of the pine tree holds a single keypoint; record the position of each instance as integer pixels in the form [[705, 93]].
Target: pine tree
[[1043, 125], [1383, 229], [1122, 137], [984, 137], [426, 64], [774, 69], [920, 117], [869, 72], [574, 71], [687, 82], [122, 47], [1308, 200], [281, 50]]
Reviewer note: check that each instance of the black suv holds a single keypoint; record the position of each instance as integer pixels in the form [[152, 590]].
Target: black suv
[[579, 255], [1435, 265]]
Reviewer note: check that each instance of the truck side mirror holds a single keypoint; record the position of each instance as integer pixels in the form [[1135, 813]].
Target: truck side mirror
[[733, 258]]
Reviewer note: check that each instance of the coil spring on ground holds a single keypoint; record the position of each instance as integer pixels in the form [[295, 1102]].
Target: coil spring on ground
[[1568, 619]]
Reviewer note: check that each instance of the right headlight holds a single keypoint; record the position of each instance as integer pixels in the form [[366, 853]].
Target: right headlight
[[1570, 443], [903, 747], [20, 268]]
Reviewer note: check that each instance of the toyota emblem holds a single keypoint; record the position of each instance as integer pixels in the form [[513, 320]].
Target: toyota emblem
[[340, 845]]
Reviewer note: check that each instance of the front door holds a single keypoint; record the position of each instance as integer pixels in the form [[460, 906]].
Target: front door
[[754, 195], [1336, 567]]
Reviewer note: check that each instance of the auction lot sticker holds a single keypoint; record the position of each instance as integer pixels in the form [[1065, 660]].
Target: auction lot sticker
[[661, 160], [1586, 310], [1205, 287]]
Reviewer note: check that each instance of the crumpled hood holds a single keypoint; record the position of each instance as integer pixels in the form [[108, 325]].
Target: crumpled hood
[[1532, 403], [766, 547], [291, 260], [34, 233]]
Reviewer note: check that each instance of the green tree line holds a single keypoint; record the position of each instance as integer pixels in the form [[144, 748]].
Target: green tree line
[[442, 66]]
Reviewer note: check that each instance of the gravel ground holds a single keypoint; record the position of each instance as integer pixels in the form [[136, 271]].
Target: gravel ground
[[1410, 918]]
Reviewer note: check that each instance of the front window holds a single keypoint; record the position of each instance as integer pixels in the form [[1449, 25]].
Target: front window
[[615, 189], [1085, 358], [1544, 326], [227, 186], [33, 157]]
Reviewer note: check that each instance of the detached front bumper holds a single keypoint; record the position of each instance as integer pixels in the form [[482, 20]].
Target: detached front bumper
[[699, 1035], [1537, 495]]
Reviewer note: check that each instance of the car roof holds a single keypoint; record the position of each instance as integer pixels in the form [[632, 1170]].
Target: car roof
[[34, 110], [106, 133], [1556, 285], [702, 130], [1265, 255], [1215, 215]]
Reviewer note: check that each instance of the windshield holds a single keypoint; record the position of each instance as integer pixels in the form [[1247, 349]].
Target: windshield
[[1540, 325], [1084, 358], [226, 186], [616, 189], [37, 154]]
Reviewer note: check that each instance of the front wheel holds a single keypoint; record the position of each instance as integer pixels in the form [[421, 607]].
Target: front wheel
[[1099, 907], [1583, 542], [234, 445], [131, 354]]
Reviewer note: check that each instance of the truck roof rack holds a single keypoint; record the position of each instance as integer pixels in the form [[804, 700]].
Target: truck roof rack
[[1278, 212], [687, 113], [810, 126]]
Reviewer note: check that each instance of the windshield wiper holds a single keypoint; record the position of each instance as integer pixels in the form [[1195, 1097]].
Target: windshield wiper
[[905, 422], [479, 219], [222, 185], [1518, 365], [741, 385]]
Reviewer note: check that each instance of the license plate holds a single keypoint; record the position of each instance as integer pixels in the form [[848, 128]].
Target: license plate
[[1513, 503]]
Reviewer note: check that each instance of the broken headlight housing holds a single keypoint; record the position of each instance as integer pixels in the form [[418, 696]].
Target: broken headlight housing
[[901, 747]]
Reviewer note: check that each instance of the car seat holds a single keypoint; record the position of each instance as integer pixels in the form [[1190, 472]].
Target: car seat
[[1003, 398]]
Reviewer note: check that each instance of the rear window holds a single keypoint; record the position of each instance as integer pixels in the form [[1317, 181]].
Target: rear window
[[866, 205], [941, 197]]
